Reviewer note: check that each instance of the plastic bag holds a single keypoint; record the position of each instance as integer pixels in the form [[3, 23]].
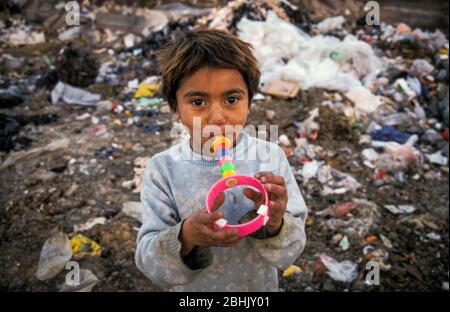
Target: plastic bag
[[84, 246], [287, 53], [402, 85], [54, 255], [437, 158], [72, 95], [398, 119], [370, 154], [309, 128], [310, 169], [364, 100], [421, 67], [405, 151], [292, 269], [345, 271], [330, 24], [303, 149]]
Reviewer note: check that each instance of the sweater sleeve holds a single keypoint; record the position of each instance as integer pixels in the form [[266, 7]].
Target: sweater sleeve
[[158, 245], [284, 248]]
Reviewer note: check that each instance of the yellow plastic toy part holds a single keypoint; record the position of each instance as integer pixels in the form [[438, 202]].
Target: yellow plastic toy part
[[228, 173], [219, 140]]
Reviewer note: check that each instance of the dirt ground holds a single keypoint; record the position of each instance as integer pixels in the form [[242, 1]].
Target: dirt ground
[[37, 201], [54, 191]]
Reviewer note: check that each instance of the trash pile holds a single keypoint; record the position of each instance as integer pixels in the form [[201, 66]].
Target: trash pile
[[362, 114]]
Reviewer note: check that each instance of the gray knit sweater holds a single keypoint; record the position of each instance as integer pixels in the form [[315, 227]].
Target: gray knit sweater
[[175, 184]]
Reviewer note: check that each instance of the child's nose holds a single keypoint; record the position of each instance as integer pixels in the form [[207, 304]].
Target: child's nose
[[216, 115]]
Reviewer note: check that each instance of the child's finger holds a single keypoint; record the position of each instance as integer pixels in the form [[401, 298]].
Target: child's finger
[[218, 202], [276, 210], [273, 179], [208, 219], [276, 189], [253, 195], [216, 215], [225, 235], [261, 174]]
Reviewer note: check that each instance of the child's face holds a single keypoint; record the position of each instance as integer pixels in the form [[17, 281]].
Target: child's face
[[216, 96]]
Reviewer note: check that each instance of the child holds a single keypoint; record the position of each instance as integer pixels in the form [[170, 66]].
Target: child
[[209, 79]]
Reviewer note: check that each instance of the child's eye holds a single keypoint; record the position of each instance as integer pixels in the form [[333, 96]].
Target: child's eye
[[232, 100], [198, 102]]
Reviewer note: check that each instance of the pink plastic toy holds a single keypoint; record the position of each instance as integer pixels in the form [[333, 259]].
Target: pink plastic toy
[[230, 179]]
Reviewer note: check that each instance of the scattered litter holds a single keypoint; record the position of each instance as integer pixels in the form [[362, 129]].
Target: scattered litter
[[330, 24], [84, 246], [362, 113], [309, 128], [22, 37], [54, 255], [73, 95], [364, 100], [386, 242], [371, 239], [434, 236], [310, 169], [437, 158], [400, 209], [97, 131], [338, 210], [18, 156], [390, 134], [282, 89], [89, 224], [292, 270], [287, 53], [345, 271], [284, 140], [344, 244], [146, 90], [370, 154], [140, 163]]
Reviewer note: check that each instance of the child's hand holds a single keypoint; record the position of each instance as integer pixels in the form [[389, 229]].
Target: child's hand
[[278, 199], [198, 230]]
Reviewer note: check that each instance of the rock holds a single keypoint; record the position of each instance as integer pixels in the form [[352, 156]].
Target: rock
[[270, 114]]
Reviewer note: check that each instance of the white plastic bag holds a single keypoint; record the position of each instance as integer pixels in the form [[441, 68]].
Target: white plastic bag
[[73, 95], [287, 53], [330, 24], [364, 100], [345, 271], [54, 255]]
